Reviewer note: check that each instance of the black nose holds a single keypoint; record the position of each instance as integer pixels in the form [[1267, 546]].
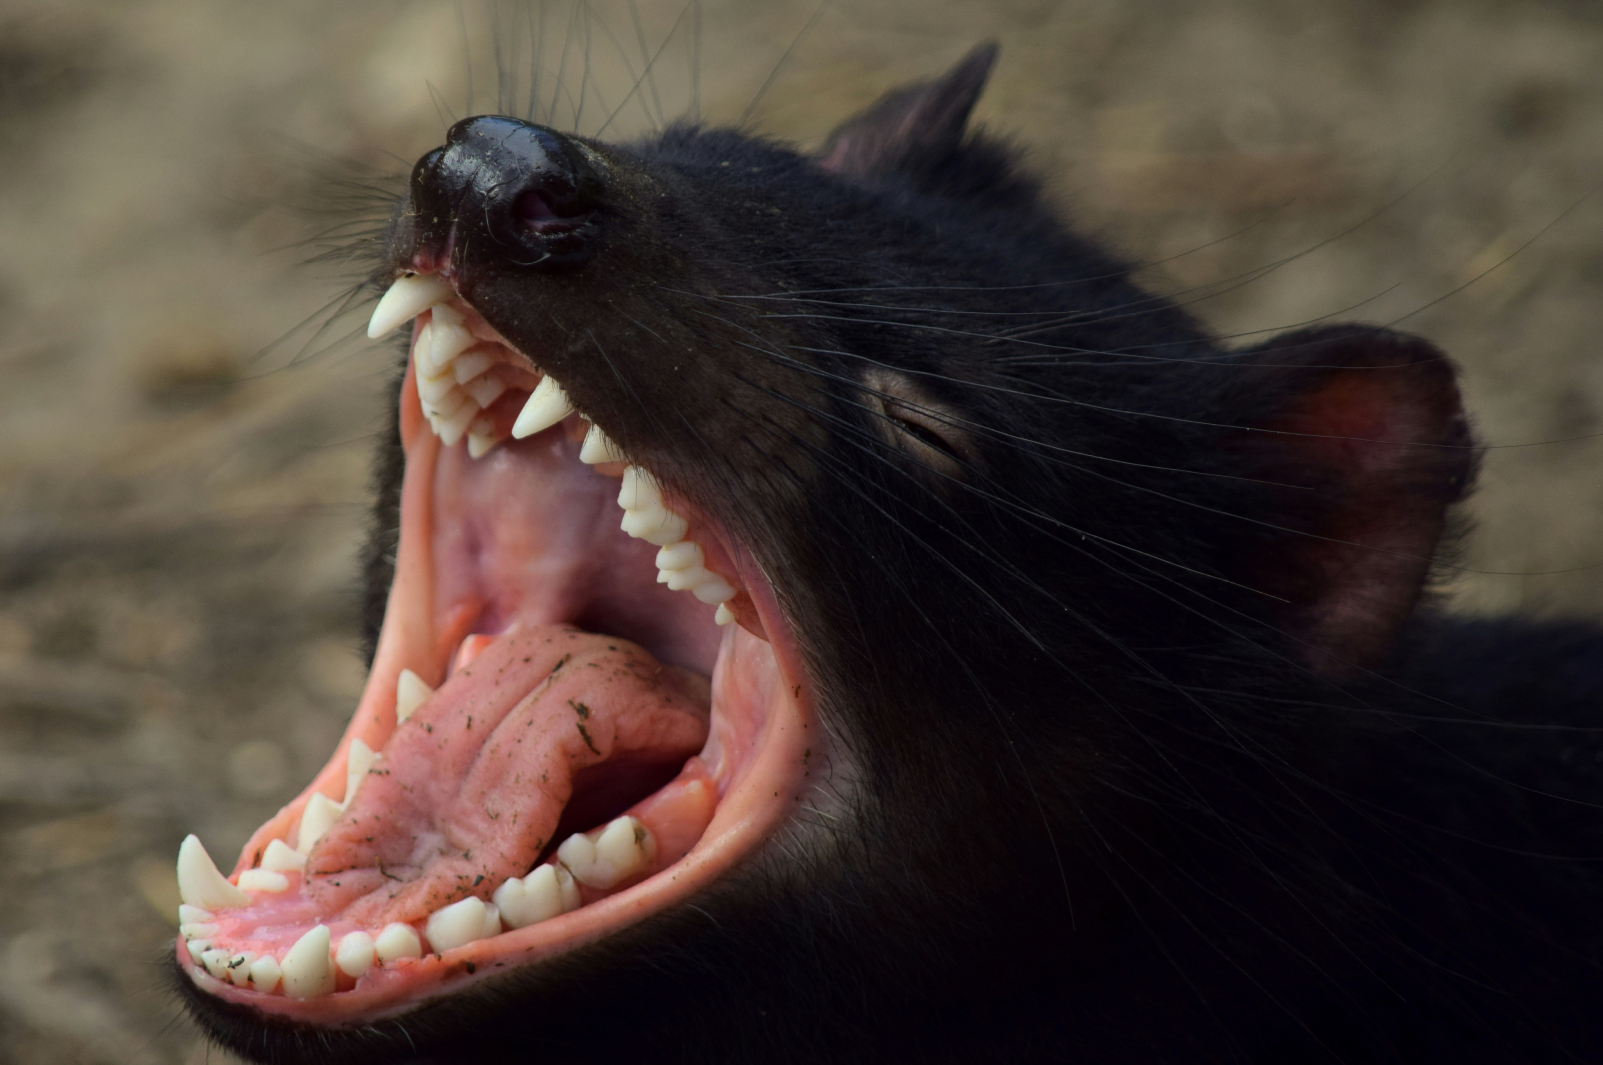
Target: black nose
[[519, 193]]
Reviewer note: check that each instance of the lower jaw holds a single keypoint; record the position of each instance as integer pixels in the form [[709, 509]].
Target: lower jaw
[[756, 756]]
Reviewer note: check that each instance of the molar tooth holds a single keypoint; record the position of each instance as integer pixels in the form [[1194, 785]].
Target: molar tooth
[[407, 298], [216, 962], [263, 880], [306, 967], [265, 973], [319, 816], [481, 437], [410, 693], [680, 555], [239, 967], [598, 448], [199, 882], [724, 615], [467, 367], [547, 405], [354, 955], [624, 848], [398, 941], [454, 425], [485, 390], [357, 763], [188, 914], [549, 890], [458, 924], [280, 857]]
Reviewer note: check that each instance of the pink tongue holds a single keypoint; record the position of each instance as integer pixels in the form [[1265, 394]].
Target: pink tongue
[[469, 790]]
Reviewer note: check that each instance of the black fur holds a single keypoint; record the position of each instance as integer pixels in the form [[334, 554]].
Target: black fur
[[1143, 751]]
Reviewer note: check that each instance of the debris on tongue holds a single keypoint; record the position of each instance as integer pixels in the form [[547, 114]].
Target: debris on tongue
[[449, 834]]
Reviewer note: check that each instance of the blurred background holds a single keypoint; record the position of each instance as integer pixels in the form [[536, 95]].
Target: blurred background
[[185, 427]]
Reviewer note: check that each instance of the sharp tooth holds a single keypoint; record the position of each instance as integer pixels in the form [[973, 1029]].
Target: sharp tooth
[[549, 890], [199, 882], [492, 920], [307, 968], [638, 491], [319, 816], [458, 924], [724, 615], [398, 941], [357, 763], [547, 405], [280, 857], [598, 447], [713, 592], [690, 577], [681, 555], [663, 575], [197, 947], [197, 930], [469, 366], [657, 525], [447, 342], [624, 848], [420, 350], [409, 297], [481, 437], [454, 425], [239, 967], [485, 390], [216, 962], [354, 955], [410, 693], [188, 914], [263, 880], [265, 973], [433, 390]]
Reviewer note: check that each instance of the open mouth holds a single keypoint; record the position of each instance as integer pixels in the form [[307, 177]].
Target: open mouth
[[572, 723]]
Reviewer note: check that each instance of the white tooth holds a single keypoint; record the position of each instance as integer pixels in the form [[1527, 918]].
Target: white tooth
[[197, 947], [657, 525], [598, 447], [319, 816], [724, 615], [398, 941], [188, 914], [492, 920], [485, 390], [569, 888], [216, 962], [547, 405], [681, 555], [357, 763], [467, 367], [454, 425], [239, 967], [481, 438], [263, 880], [545, 893], [354, 955], [420, 350], [451, 404], [265, 973], [410, 693], [638, 491], [280, 857], [307, 968], [199, 882], [624, 848], [197, 930], [449, 341], [407, 298], [690, 577], [457, 924], [433, 390], [713, 592], [663, 575]]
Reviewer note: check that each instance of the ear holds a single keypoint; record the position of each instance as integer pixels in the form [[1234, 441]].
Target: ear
[[1365, 429], [911, 128]]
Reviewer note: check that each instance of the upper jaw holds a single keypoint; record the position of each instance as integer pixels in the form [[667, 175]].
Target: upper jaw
[[761, 738]]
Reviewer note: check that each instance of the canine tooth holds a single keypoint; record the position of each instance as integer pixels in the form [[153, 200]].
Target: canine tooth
[[199, 882], [547, 405], [657, 525], [454, 425], [714, 592], [680, 555], [197, 930], [598, 447], [433, 390], [467, 367], [357, 763], [485, 390], [188, 914], [307, 968], [216, 962], [239, 967], [724, 615], [280, 857], [407, 298], [265, 973], [458, 924], [624, 848], [319, 816], [263, 880], [354, 955], [398, 941], [410, 693], [549, 890], [481, 437]]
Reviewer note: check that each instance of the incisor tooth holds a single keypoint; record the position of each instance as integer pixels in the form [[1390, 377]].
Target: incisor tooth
[[467, 367], [598, 447], [407, 298], [216, 962], [410, 693], [199, 882], [485, 390], [713, 592], [433, 390], [357, 763], [458, 924], [681, 555], [624, 848], [398, 941], [197, 930], [265, 973], [448, 340], [263, 880], [452, 426], [307, 967], [481, 437], [280, 857], [638, 491], [724, 615], [319, 816], [549, 890], [354, 955], [655, 525], [188, 914], [239, 967], [546, 406]]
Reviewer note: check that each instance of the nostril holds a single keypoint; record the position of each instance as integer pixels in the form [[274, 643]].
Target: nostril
[[534, 210]]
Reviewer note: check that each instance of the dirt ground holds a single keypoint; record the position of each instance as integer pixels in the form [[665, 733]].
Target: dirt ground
[[184, 431]]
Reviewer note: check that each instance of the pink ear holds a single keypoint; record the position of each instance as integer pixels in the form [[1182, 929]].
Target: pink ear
[[912, 126], [1368, 427]]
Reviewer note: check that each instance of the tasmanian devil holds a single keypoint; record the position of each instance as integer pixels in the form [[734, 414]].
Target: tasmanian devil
[[1026, 675]]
